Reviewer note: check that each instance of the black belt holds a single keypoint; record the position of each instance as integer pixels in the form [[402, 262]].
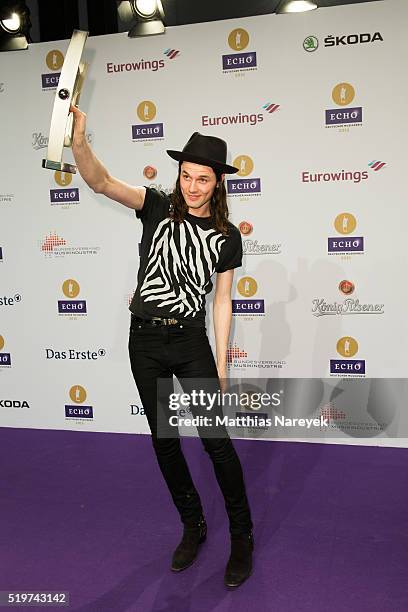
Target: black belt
[[154, 321]]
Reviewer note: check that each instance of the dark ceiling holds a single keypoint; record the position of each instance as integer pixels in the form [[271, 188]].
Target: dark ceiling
[[56, 19], [179, 12]]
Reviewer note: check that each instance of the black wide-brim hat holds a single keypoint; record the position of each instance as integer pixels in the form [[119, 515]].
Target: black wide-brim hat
[[207, 151]]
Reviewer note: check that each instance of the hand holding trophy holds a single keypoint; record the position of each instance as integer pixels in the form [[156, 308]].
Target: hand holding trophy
[[67, 96]]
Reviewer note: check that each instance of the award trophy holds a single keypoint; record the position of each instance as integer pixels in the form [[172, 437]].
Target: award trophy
[[68, 91]]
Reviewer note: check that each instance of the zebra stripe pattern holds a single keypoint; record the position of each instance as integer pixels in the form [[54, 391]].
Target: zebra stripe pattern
[[182, 259]]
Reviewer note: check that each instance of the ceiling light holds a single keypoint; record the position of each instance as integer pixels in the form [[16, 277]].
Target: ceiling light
[[146, 8], [11, 25], [15, 25], [296, 6], [147, 17]]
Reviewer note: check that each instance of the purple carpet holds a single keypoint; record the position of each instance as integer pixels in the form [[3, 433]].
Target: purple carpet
[[89, 513]]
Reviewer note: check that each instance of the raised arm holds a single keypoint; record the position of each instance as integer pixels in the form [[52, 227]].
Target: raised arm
[[94, 172]]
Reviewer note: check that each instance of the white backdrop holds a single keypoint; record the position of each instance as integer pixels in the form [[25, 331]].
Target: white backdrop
[[283, 72]]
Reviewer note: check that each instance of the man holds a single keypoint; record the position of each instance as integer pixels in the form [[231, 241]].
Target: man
[[186, 239]]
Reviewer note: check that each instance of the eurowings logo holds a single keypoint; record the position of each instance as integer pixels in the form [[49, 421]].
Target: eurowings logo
[[51, 241], [171, 53], [376, 165], [270, 107]]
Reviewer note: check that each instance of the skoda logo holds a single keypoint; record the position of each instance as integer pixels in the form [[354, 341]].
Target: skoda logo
[[310, 43]]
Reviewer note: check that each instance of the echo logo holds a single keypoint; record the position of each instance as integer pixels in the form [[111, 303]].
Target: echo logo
[[244, 186], [54, 60], [146, 111], [248, 287], [5, 358], [343, 94], [238, 40], [71, 289], [65, 195], [78, 410], [347, 347], [345, 223]]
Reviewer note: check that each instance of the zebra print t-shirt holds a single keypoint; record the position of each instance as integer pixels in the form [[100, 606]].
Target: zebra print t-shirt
[[178, 260]]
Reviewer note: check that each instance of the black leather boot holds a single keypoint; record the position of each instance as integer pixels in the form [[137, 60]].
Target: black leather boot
[[239, 566], [187, 550]]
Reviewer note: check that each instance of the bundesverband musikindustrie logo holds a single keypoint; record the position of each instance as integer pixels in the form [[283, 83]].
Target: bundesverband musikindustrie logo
[[238, 359], [54, 246]]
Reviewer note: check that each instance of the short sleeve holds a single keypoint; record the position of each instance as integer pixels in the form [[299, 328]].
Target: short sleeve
[[155, 207], [231, 252]]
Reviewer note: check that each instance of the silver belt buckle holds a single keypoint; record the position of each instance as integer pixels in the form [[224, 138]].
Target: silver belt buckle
[[165, 321]]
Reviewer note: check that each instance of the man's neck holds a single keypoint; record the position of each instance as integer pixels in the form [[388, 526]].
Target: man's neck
[[203, 212]]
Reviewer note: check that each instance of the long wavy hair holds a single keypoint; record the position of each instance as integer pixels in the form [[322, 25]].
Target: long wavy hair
[[218, 205]]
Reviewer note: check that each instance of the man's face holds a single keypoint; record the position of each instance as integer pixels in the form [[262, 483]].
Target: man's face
[[197, 185]]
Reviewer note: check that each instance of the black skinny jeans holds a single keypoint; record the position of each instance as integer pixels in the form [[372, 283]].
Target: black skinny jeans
[[182, 350]]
